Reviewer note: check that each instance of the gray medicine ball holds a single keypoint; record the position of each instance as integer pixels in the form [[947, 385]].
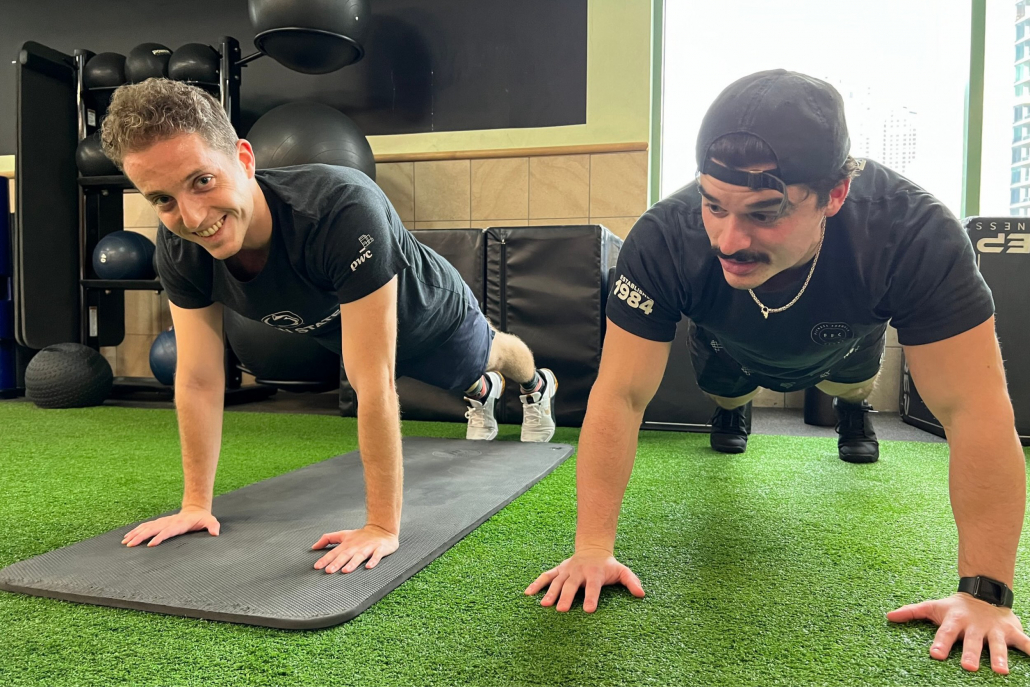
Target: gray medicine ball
[[68, 375]]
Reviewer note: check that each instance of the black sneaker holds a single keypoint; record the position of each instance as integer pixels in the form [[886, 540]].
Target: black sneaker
[[856, 440], [730, 429]]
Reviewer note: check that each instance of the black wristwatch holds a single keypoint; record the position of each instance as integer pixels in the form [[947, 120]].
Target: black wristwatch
[[986, 589]]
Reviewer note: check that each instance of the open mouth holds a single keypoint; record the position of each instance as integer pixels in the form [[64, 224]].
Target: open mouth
[[211, 231]]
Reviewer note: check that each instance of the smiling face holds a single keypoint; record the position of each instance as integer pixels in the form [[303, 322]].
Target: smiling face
[[752, 241], [200, 193]]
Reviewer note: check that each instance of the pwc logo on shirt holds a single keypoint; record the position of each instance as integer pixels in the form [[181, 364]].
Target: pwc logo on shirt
[[365, 253]]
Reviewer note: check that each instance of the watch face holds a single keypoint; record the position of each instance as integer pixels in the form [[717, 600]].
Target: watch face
[[989, 590]]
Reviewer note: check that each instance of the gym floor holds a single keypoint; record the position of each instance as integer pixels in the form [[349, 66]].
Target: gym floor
[[773, 567]]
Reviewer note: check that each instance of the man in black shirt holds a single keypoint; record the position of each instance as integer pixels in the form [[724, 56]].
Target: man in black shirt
[[790, 258], [313, 250]]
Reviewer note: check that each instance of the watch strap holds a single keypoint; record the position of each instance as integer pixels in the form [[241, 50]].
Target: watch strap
[[987, 589]]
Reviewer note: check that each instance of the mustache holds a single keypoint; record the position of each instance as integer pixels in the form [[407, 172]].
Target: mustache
[[741, 256]]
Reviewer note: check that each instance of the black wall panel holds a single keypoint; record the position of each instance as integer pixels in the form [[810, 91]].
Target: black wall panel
[[444, 65]]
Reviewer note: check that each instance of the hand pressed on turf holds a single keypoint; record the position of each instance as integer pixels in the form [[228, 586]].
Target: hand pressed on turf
[[960, 616], [354, 547], [186, 520], [590, 569]]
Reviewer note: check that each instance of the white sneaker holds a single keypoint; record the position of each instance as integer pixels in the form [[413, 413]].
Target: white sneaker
[[538, 410], [482, 423]]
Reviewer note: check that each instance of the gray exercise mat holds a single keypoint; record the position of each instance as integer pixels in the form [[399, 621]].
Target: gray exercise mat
[[259, 570]]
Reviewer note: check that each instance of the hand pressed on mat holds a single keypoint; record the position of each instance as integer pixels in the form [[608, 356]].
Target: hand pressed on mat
[[354, 547], [186, 520], [590, 569], [974, 621]]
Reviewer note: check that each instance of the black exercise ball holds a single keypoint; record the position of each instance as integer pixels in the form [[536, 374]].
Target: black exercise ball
[[105, 70], [90, 158], [272, 355], [162, 357], [311, 36], [147, 61], [68, 375], [307, 132], [195, 63], [124, 255]]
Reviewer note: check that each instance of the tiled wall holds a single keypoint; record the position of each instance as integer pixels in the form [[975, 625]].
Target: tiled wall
[[146, 312], [598, 188]]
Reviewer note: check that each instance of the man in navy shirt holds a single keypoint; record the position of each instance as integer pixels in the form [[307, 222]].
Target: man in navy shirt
[[313, 250], [790, 258]]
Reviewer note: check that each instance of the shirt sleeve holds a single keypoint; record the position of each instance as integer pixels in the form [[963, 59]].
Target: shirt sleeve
[[647, 297], [360, 246], [186, 280], [935, 290]]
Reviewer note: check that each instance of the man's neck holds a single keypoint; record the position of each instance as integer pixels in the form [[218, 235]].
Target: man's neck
[[251, 258], [792, 275], [259, 231]]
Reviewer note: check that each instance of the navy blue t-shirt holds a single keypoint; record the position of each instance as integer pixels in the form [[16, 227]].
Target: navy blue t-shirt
[[893, 253], [335, 239]]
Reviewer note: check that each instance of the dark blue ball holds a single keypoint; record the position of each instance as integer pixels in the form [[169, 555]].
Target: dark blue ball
[[124, 255], [162, 357]]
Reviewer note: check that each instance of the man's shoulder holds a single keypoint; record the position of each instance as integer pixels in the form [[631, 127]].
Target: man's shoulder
[[877, 183], [673, 225], [318, 191], [883, 202]]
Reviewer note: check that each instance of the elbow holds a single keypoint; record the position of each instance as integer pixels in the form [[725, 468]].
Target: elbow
[[198, 381], [623, 398], [375, 390]]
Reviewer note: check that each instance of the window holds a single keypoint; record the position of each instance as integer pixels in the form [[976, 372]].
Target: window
[[901, 67], [1005, 159]]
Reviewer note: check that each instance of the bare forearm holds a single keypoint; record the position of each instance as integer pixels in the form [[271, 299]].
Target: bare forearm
[[379, 438], [988, 494], [607, 448], [199, 409]]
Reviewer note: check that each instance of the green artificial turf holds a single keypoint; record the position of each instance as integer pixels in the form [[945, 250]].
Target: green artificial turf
[[775, 567]]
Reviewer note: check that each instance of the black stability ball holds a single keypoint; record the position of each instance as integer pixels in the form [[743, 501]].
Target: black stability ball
[[147, 61], [68, 375], [105, 70], [196, 63], [101, 75], [305, 133], [124, 255], [90, 158], [163, 354], [311, 36], [274, 356]]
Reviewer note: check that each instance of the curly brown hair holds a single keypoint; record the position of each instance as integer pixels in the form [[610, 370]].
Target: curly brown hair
[[158, 109]]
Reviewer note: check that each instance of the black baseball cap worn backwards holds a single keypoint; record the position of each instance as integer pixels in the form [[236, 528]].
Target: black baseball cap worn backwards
[[799, 117]]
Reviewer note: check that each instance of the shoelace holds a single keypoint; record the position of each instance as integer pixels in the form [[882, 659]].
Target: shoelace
[[532, 413], [853, 421], [732, 420], [476, 415]]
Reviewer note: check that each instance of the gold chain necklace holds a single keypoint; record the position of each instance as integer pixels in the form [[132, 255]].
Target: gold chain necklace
[[766, 309]]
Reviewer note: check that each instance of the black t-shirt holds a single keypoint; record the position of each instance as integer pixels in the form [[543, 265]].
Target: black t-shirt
[[335, 239], [893, 253]]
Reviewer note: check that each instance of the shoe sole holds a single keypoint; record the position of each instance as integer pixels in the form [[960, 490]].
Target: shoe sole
[[859, 460], [729, 450]]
